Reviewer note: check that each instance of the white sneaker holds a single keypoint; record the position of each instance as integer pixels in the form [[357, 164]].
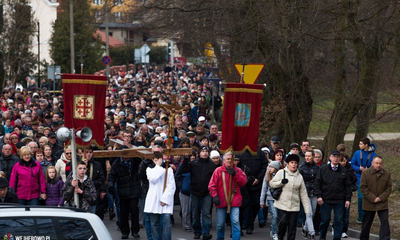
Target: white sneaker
[[344, 235], [275, 237]]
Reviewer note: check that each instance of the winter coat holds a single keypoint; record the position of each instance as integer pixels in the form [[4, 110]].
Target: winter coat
[[356, 161], [45, 164], [244, 191], [143, 177], [27, 180], [86, 199], [7, 164], [128, 183], [375, 184], [10, 197], [201, 171], [155, 195], [292, 192], [97, 177], [53, 188], [309, 172], [182, 182], [332, 186], [351, 172], [216, 186], [60, 167], [265, 193], [257, 164]]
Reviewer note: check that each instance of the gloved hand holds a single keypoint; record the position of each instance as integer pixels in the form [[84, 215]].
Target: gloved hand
[[216, 201], [231, 171], [284, 181], [111, 190]]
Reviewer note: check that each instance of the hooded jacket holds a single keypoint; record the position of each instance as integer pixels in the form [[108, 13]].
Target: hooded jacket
[[356, 161], [27, 179], [216, 185], [53, 188]]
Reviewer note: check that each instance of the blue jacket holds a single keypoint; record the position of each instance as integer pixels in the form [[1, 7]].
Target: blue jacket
[[366, 162]]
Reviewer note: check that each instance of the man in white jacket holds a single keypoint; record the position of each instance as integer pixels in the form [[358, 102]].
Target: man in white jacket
[[159, 203]]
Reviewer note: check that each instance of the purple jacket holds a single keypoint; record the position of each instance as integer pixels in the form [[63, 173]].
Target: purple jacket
[[54, 197], [27, 181]]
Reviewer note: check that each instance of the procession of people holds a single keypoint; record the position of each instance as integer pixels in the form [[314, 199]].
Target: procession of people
[[297, 186]]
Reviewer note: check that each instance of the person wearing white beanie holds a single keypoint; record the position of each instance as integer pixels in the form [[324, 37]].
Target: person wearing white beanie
[[215, 157]]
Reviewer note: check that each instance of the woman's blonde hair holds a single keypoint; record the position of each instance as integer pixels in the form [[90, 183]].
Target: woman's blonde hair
[[24, 150]]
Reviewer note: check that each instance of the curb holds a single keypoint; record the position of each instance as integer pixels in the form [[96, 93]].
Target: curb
[[356, 234]]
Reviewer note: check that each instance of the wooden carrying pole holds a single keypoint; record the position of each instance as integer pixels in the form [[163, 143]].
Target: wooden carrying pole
[[172, 109]]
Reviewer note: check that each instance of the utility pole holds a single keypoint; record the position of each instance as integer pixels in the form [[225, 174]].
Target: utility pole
[[107, 40], [38, 54], [71, 36]]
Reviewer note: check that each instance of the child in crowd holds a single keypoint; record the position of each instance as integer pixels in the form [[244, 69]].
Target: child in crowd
[[83, 186], [272, 169], [54, 186]]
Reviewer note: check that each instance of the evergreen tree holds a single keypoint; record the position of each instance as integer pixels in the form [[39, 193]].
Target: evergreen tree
[[17, 31], [85, 41]]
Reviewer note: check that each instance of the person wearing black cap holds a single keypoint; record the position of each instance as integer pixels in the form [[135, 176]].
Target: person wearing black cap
[[274, 144], [55, 147], [7, 195], [293, 194], [201, 171], [333, 190]]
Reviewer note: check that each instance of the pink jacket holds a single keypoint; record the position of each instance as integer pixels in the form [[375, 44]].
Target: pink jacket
[[28, 182], [216, 187]]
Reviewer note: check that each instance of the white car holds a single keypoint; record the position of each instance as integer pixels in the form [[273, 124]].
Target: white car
[[47, 223]]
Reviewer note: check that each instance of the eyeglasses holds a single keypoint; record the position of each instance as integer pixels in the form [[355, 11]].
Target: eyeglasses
[[68, 153]]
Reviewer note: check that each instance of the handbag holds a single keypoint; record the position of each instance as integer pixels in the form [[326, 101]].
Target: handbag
[[276, 192]]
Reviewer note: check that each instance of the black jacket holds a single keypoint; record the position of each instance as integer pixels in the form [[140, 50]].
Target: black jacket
[[143, 176], [11, 197], [98, 177], [309, 172], [257, 164], [7, 163], [128, 183], [201, 171], [332, 186]]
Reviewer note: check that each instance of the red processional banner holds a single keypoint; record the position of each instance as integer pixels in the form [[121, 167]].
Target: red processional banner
[[84, 105], [241, 118]]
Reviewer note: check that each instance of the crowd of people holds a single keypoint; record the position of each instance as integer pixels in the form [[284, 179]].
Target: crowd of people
[[297, 188]]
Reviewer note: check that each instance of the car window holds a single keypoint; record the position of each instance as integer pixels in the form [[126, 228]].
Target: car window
[[45, 228], [73, 228], [15, 227]]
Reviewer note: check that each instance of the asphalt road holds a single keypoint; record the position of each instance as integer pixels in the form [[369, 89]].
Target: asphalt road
[[178, 232]]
